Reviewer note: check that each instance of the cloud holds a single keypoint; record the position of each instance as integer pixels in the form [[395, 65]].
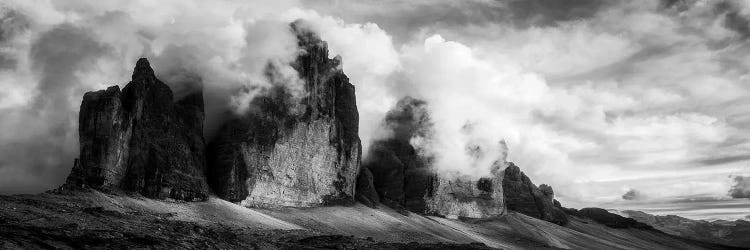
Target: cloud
[[12, 24], [723, 159], [633, 194], [733, 18], [407, 20], [740, 188], [43, 144]]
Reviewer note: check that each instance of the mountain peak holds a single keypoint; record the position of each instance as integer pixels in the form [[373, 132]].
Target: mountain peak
[[143, 70]]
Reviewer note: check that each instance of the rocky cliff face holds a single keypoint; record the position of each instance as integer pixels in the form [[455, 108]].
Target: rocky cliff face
[[140, 140], [455, 197], [523, 196], [403, 179], [400, 177], [288, 152]]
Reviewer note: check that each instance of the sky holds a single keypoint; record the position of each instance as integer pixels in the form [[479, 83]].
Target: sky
[[606, 101]]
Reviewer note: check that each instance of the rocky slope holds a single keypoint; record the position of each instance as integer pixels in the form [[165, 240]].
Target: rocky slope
[[140, 140], [290, 152], [95, 220], [730, 233]]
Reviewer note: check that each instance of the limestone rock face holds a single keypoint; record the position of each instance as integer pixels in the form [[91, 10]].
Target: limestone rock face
[[523, 196], [289, 152], [140, 140], [456, 197]]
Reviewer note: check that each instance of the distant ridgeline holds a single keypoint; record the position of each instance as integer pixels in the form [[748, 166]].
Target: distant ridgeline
[[297, 152]]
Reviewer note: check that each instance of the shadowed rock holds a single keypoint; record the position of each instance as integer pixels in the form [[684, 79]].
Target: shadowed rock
[[523, 196], [290, 150], [404, 179], [139, 140], [605, 217], [365, 190]]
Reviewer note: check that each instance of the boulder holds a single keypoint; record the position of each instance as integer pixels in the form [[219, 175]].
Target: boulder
[[140, 140], [287, 150]]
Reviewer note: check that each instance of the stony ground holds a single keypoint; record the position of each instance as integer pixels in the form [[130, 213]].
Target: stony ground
[[63, 222], [105, 220]]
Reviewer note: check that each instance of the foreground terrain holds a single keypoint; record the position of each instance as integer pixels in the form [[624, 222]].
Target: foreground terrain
[[92, 219]]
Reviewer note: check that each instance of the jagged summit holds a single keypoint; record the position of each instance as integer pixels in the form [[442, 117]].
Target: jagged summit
[[143, 70]]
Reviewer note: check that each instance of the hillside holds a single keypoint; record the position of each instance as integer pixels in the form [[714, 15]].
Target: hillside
[[731, 233], [92, 219]]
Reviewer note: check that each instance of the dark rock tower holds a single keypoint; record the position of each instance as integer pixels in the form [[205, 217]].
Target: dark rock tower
[[293, 152], [140, 140]]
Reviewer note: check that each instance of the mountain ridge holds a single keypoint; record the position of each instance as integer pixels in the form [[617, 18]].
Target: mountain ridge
[[297, 158]]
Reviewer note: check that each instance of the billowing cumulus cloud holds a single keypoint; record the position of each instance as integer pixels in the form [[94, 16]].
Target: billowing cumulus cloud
[[592, 97]]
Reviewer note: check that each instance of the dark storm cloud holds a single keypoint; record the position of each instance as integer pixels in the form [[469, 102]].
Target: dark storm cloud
[[549, 12], [7, 61], [733, 20], [43, 148], [408, 118], [723, 160], [12, 23], [57, 55], [740, 188], [680, 5]]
